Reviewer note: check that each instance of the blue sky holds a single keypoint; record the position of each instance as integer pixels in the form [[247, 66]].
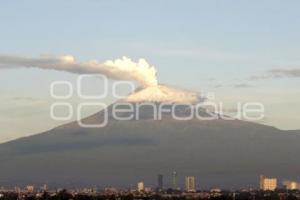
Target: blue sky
[[200, 45]]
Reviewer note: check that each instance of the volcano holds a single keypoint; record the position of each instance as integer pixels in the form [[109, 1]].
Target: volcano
[[224, 153]]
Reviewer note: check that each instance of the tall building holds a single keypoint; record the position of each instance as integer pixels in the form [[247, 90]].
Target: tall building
[[30, 188], [291, 185], [140, 186], [190, 184], [160, 181], [174, 180], [45, 187], [267, 183]]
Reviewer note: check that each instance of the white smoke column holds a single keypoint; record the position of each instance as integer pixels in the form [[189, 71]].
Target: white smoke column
[[121, 69], [166, 94]]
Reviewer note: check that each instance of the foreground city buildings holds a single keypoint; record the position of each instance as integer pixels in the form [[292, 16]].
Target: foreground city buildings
[[129, 194], [268, 190]]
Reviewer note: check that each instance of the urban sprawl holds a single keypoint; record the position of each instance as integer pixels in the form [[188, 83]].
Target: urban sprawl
[[268, 189]]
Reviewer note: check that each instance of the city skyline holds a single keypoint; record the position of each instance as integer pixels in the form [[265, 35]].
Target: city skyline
[[188, 183]]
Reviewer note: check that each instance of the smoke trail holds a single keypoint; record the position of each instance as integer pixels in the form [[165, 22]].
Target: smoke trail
[[122, 69]]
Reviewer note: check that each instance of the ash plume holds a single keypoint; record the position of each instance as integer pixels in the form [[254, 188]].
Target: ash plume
[[120, 69], [164, 93]]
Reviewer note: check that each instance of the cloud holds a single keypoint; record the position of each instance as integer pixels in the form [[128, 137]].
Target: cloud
[[121, 69], [31, 99], [277, 73], [218, 86], [295, 73], [242, 85]]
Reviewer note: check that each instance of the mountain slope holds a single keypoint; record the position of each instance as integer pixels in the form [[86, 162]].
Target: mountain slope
[[218, 152]]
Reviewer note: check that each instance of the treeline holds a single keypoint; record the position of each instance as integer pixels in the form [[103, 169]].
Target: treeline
[[65, 195]]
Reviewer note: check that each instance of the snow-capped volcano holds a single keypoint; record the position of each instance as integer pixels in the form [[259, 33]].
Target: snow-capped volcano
[[163, 93]]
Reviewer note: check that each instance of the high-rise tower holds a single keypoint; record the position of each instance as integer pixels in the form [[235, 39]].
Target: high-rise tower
[[160, 183], [190, 184], [174, 180]]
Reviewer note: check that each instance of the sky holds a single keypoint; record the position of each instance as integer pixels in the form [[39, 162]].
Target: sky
[[239, 50]]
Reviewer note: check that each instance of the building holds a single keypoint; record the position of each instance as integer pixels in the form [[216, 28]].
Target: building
[[148, 189], [140, 186], [291, 185], [44, 187], [17, 189], [267, 183], [110, 190], [174, 180], [190, 185], [160, 181], [30, 188]]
